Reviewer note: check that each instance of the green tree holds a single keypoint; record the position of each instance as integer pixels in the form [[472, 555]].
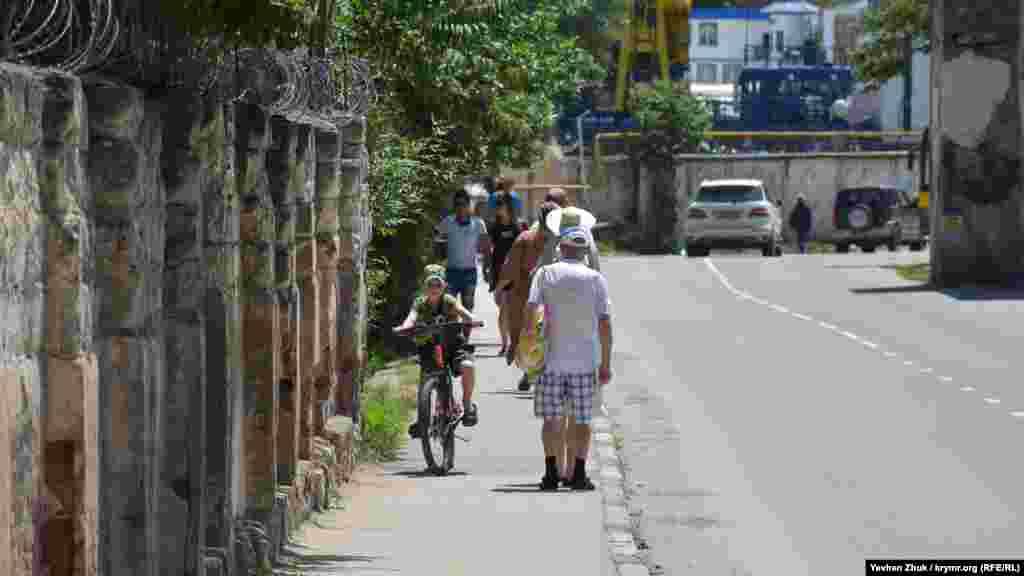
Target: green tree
[[672, 122], [886, 30], [460, 92]]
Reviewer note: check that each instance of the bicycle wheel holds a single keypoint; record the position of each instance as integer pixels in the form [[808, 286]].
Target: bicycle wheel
[[448, 436], [431, 423]]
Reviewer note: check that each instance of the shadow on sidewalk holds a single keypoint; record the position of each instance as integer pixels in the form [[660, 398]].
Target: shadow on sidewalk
[[524, 488], [426, 474], [967, 294], [296, 562]]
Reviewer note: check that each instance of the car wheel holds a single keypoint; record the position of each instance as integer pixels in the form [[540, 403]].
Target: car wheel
[[842, 248], [697, 252], [893, 244], [868, 248], [916, 246]]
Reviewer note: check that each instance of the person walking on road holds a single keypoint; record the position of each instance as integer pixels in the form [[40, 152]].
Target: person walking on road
[[801, 219], [503, 231], [577, 311], [467, 237], [524, 256]]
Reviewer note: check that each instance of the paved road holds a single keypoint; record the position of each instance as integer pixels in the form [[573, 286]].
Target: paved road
[[489, 517], [798, 415]]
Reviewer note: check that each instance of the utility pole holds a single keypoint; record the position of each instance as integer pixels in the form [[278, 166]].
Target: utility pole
[[908, 50]]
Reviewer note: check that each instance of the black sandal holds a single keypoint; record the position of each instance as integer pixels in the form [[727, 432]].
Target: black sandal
[[548, 484], [582, 484]]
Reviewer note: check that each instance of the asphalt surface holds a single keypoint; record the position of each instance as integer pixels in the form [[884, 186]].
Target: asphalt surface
[[797, 415], [487, 517]]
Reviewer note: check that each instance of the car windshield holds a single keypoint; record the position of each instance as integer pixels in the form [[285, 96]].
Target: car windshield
[[729, 194]]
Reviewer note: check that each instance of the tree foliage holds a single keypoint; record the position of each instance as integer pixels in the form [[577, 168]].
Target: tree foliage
[[463, 88], [672, 121], [883, 54]]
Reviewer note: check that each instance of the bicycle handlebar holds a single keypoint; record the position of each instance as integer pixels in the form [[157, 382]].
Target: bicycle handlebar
[[432, 328]]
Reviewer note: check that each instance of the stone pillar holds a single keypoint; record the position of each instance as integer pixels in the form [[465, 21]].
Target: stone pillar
[[354, 166], [286, 185], [223, 329], [124, 177], [976, 122], [308, 279], [328, 246], [261, 349], [192, 129], [71, 456]]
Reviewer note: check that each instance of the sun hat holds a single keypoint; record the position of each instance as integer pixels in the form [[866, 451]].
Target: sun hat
[[434, 272], [570, 224]]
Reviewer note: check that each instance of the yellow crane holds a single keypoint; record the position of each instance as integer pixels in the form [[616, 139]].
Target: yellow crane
[[658, 28]]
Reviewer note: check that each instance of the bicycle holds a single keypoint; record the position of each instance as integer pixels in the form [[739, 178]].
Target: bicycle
[[438, 413]]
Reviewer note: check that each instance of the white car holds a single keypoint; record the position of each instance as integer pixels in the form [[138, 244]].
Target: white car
[[733, 214]]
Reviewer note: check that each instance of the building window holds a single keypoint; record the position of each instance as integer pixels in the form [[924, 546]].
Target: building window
[[708, 33], [779, 44], [707, 73], [731, 73]]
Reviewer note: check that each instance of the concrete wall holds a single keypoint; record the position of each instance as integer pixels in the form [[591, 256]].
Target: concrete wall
[[614, 197], [152, 329]]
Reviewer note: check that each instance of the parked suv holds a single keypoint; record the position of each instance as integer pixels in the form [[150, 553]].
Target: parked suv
[[733, 214], [870, 216]]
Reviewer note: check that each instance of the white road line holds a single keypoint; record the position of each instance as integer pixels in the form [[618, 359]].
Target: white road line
[[778, 308], [1018, 414], [992, 401], [721, 277], [827, 326], [802, 316], [889, 354], [908, 363], [850, 335], [967, 388], [926, 370], [871, 345], [946, 378]]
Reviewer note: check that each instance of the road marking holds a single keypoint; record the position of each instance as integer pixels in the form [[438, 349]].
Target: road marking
[[802, 316], [908, 363], [889, 354], [967, 388], [992, 401], [1017, 414], [871, 345], [721, 277], [850, 335], [827, 326], [778, 308], [926, 370], [945, 378]]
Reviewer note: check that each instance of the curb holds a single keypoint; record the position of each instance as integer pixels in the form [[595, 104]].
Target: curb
[[628, 551]]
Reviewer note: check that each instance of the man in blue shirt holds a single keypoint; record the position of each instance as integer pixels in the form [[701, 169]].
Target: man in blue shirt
[[467, 236]]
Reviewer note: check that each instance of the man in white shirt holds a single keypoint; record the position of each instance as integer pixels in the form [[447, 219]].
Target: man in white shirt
[[577, 312]]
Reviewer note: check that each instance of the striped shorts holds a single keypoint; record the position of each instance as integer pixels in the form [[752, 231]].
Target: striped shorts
[[557, 391]]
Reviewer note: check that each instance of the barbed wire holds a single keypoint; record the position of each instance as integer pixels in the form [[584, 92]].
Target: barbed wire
[[66, 34], [124, 39]]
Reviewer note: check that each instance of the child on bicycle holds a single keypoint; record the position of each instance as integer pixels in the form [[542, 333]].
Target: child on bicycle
[[437, 306]]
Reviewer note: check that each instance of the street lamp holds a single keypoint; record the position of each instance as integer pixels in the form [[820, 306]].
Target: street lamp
[[583, 168]]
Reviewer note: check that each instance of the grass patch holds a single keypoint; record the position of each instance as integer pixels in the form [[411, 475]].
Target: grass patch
[[816, 247], [920, 272], [608, 247], [387, 404]]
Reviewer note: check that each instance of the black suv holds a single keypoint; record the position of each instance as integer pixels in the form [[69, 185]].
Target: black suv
[[870, 216]]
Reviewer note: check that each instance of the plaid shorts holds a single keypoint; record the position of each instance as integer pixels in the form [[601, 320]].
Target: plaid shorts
[[574, 392]]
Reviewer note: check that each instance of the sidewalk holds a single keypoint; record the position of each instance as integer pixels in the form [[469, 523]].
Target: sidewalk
[[488, 517]]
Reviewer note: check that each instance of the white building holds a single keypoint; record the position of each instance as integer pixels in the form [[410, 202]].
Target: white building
[[719, 41]]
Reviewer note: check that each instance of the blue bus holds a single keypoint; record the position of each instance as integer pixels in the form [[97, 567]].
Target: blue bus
[[792, 98]]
